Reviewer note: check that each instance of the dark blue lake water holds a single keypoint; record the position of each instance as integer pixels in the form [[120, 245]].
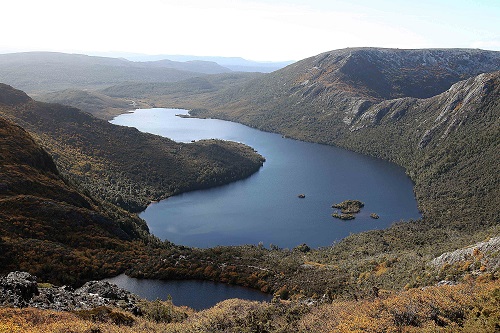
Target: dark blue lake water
[[265, 207], [193, 293]]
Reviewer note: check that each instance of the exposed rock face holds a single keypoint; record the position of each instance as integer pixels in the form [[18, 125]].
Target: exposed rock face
[[106, 290], [20, 289], [17, 289], [489, 249], [441, 114], [318, 98]]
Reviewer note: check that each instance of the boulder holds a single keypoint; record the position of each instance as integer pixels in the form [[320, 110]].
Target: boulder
[[17, 289]]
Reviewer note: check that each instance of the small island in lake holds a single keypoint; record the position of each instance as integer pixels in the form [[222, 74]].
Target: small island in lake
[[349, 206], [374, 216], [302, 196], [344, 217], [348, 209]]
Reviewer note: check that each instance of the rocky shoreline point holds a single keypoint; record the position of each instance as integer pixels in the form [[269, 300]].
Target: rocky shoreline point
[[20, 289]]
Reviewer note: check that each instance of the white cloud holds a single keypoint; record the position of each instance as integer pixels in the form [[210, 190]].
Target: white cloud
[[258, 29], [493, 44]]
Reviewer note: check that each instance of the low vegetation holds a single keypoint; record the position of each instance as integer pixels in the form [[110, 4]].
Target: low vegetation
[[343, 216], [464, 308], [95, 103]]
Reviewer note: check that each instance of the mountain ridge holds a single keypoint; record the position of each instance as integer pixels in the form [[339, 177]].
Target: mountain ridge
[[237, 64], [350, 80]]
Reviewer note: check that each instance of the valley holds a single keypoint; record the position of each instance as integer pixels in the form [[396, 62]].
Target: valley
[[435, 113]]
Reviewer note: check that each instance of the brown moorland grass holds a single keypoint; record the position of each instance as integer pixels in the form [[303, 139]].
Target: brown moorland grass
[[469, 307]]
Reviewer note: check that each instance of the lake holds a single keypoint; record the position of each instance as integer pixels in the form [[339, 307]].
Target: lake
[[265, 207], [193, 293]]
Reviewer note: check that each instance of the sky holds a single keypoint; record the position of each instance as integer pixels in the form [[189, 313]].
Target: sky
[[261, 30]]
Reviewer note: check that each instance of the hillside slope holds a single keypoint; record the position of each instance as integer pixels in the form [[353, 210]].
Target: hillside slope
[[93, 102], [449, 145], [334, 88], [109, 102], [47, 226], [121, 164]]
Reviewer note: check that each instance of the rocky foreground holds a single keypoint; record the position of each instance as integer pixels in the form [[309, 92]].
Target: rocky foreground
[[20, 289]]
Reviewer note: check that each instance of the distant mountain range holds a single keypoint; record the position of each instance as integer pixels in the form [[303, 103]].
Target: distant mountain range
[[50, 71], [44, 72], [236, 64]]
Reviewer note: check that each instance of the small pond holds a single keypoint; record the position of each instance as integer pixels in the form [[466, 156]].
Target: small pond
[[193, 293]]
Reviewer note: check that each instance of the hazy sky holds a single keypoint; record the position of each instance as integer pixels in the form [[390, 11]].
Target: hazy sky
[[253, 29]]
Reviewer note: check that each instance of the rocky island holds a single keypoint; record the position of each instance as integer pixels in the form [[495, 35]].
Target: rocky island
[[348, 209]]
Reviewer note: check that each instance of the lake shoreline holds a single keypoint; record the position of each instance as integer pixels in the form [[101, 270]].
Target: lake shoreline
[[322, 181]]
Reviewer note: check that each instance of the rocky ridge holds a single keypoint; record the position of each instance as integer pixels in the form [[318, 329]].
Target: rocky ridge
[[453, 107], [330, 92]]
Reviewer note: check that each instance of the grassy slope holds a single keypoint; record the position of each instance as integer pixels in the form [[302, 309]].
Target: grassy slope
[[110, 102], [93, 102]]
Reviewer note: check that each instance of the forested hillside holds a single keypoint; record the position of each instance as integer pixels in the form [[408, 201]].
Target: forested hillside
[[47, 226], [121, 164]]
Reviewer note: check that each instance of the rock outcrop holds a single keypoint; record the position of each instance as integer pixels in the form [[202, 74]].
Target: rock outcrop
[[20, 289], [486, 252]]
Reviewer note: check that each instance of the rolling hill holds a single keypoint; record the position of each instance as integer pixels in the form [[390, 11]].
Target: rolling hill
[[112, 101], [41, 72]]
